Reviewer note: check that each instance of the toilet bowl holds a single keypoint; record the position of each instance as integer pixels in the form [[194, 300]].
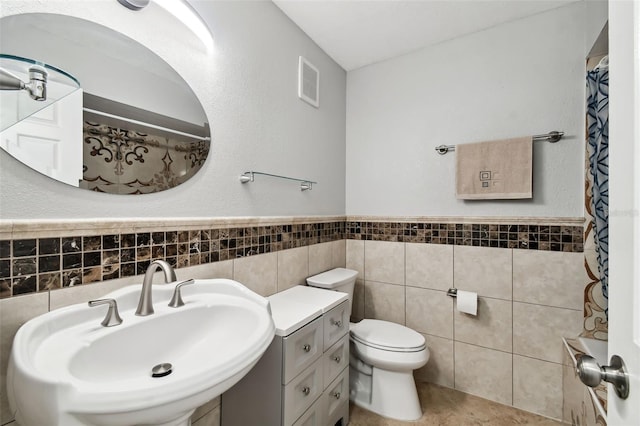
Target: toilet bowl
[[383, 356]]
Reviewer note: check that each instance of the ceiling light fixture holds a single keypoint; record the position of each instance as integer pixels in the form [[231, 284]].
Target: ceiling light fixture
[[185, 13], [134, 4]]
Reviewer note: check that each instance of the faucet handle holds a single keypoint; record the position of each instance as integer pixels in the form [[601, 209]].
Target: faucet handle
[[176, 300], [113, 317]]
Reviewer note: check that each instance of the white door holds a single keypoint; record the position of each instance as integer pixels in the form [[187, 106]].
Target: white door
[[624, 204], [50, 141]]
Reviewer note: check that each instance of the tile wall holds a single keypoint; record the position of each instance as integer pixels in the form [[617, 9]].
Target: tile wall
[[265, 274], [523, 235], [530, 278], [31, 263], [511, 352]]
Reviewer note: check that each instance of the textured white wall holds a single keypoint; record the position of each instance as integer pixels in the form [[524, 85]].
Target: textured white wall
[[521, 78], [248, 87]]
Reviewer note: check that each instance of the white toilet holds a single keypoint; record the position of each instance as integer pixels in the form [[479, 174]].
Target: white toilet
[[383, 357]]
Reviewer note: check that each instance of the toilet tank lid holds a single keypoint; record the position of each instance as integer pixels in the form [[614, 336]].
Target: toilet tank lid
[[332, 278]]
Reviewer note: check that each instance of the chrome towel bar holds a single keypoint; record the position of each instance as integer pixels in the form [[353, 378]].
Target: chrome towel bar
[[305, 184], [552, 137]]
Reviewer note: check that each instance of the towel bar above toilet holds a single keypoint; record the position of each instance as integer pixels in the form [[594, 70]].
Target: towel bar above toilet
[[552, 137]]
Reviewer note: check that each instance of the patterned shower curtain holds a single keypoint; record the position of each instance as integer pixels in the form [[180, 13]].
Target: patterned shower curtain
[[598, 150]]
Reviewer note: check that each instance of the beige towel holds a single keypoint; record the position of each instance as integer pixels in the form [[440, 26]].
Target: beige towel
[[495, 170]]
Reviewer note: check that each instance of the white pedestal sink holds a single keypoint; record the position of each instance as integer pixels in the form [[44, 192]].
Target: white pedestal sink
[[67, 369]]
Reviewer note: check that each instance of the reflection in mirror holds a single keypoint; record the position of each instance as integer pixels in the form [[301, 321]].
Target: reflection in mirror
[[42, 82], [133, 127]]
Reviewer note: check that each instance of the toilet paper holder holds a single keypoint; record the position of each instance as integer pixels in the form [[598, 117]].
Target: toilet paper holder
[[452, 292]]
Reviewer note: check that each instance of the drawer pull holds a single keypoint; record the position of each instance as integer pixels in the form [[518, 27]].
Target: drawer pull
[[337, 323], [336, 359], [306, 390], [306, 348], [336, 395]]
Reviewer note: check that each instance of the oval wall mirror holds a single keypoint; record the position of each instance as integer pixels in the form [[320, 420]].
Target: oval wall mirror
[[133, 126]]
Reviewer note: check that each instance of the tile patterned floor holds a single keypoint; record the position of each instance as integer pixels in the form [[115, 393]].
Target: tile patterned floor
[[447, 407]]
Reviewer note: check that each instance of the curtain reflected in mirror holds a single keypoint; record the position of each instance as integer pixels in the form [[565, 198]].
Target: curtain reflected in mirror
[[121, 161]]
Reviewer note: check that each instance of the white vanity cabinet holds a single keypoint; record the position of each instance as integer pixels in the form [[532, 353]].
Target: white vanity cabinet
[[303, 378]]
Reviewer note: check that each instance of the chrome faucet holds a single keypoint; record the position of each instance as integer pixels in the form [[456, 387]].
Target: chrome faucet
[[176, 299], [145, 305], [113, 317]]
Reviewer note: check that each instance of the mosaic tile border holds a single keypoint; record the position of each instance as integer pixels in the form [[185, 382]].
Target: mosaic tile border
[[39, 264], [564, 238], [43, 260]]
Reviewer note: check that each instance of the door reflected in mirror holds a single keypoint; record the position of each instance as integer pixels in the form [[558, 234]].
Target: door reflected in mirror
[[133, 126]]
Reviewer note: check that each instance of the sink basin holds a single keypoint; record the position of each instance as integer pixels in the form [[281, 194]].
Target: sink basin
[[67, 369]]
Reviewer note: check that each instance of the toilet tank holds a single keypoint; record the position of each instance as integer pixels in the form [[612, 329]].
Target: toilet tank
[[338, 279]]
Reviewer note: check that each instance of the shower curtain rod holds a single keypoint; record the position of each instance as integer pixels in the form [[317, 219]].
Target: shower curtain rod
[[142, 123], [552, 137]]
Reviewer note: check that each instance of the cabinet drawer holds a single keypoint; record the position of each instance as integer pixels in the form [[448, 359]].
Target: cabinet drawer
[[339, 417], [337, 395], [335, 359], [313, 416], [301, 349], [336, 324], [301, 392]]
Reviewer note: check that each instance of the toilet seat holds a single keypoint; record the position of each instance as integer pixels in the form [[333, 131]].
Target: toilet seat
[[390, 360], [387, 336]]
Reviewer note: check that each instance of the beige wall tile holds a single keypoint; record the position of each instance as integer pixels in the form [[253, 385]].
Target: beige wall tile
[[293, 267], [339, 253], [222, 269], [538, 330], [549, 278], [258, 273], [355, 256], [537, 386], [430, 311], [357, 307], [483, 372], [320, 258], [439, 368], [487, 271], [384, 262], [85, 292], [384, 301], [491, 328], [429, 266], [14, 312]]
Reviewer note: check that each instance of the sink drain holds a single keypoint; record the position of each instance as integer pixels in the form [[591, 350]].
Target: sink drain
[[162, 370]]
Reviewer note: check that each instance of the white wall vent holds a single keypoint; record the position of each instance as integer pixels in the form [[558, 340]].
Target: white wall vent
[[308, 82]]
